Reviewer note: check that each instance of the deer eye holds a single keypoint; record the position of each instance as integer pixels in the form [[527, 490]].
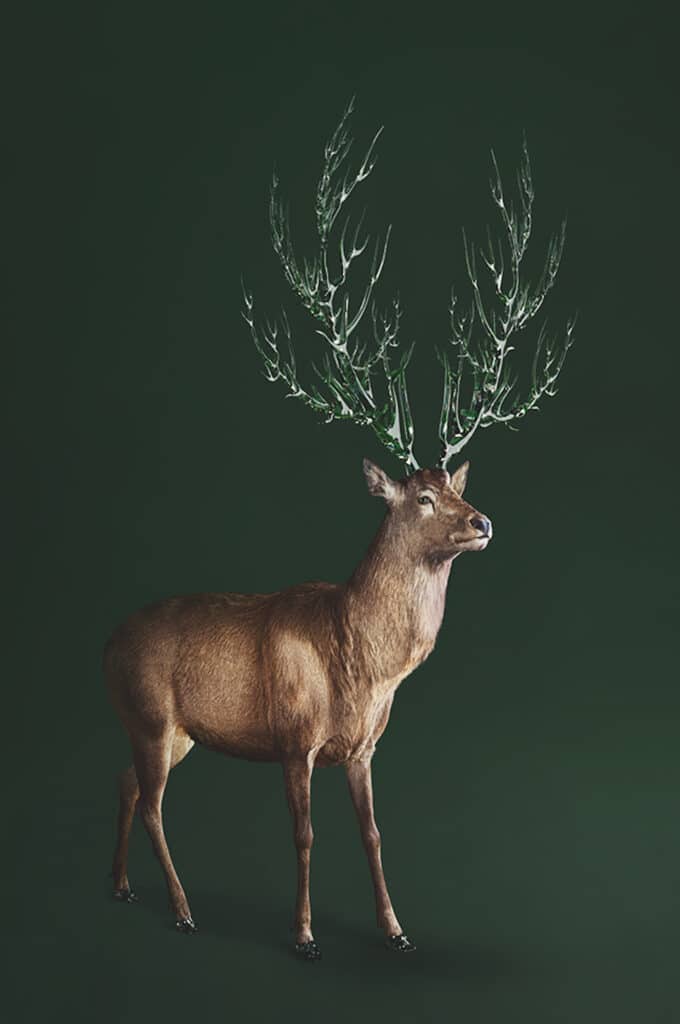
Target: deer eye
[[424, 499]]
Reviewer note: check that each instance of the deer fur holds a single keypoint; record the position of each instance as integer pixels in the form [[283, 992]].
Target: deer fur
[[304, 677]]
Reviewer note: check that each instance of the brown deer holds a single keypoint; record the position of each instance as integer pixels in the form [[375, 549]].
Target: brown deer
[[307, 676]]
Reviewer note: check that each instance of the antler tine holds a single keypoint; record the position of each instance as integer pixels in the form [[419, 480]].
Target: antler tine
[[483, 353], [479, 388], [349, 366]]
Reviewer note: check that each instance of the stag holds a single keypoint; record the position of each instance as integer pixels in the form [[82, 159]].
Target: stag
[[306, 676]]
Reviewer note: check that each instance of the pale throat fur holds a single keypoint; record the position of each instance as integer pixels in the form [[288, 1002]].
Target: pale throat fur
[[393, 605]]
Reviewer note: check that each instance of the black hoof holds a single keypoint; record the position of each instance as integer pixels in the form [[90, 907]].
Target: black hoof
[[186, 925], [125, 896], [400, 943], [308, 950]]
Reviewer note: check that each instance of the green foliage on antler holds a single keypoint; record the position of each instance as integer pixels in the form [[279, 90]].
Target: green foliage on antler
[[349, 366], [480, 338]]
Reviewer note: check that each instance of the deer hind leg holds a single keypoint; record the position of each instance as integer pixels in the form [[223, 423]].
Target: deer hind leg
[[361, 791], [298, 776], [143, 785], [129, 794], [128, 789]]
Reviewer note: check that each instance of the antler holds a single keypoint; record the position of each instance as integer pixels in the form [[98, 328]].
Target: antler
[[483, 353], [480, 338], [348, 367]]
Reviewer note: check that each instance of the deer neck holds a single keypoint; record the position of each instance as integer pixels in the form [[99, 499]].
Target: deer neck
[[393, 608]]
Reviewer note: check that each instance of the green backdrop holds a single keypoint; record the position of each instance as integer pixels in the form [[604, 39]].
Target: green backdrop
[[528, 784]]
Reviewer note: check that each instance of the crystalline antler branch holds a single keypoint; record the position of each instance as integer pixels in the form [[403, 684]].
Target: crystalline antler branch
[[348, 366], [479, 387], [481, 337]]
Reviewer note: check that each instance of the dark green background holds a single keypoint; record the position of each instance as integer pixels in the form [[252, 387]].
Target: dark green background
[[528, 786]]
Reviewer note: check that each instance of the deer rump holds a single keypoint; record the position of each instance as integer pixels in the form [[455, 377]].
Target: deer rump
[[262, 677]]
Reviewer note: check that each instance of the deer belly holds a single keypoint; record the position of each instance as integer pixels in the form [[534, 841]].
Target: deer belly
[[250, 745], [228, 719]]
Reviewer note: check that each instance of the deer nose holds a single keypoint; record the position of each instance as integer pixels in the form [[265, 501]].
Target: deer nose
[[482, 524]]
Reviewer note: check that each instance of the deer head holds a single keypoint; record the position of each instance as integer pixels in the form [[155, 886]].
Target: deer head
[[427, 508], [365, 381]]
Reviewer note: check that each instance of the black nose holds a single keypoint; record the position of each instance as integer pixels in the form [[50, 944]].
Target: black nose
[[482, 524]]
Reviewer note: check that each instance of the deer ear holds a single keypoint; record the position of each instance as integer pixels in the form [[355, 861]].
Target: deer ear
[[459, 479], [379, 484]]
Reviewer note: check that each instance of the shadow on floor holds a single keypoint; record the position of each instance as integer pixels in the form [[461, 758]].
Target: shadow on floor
[[347, 945]]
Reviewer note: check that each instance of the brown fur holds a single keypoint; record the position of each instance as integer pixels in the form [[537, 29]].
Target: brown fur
[[305, 676]]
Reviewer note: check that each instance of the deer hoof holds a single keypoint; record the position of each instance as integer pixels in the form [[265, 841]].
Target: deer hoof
[[308, 950], [400, 943], [186, 925], [125, 896]]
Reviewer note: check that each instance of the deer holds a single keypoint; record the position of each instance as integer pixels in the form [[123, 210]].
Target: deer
[[306, 676]]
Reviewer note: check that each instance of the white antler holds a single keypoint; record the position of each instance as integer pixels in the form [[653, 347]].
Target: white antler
[[479, 388], [348, 366], [481, 337]]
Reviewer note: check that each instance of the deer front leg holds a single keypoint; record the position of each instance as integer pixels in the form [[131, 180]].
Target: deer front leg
[[361, 790], [298, 776]]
